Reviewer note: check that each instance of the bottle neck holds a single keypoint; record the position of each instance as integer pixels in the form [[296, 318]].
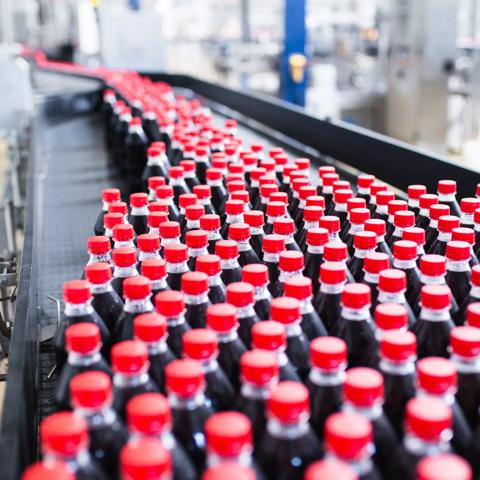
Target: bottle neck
[[359, 253], [382, 210], [256, 231], [435, 280], [357, 314], [123, 380], [262, 293], [215, 280], [234, 218], [331, 288], [229, 264], [124, 244], [244, 458], [271, 257], [315, 249], [475, 291], [100, 288], [244, 246], [361, 466], [333, 237], [105, 257], [327, 378], [81, 457], [391, 297], [138, 306], [78, 309], [404, 264], [458, 265], [257, 392], [422, 448], [288, 431], [340, 207], [175, 321], [246, 312], [155, 161], [158, 347], [210, 365], [196, 299], [213, 235], [160, 284], [466, 365], [197, 252], [444, 236], [372, 412], [402, 368], [441, 315], [355, 227], [84, 359], [308, 225], [293, 329], [98, 417], [284, 275], [139, 211], [228, 336], [370, 277], [446, 197], [192, 224], [155, 255], [186, 403], [125, 272], [181, 267], [413, 203], [169, 241]]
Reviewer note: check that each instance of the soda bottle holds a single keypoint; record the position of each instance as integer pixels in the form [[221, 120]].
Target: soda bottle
[[256, 275], [123, 236], [255, 219], [414, 193], [148, 248], [363, 391], [202, 162], [186, 200], [328, 357], [176, 256], [83, 346], [197, 243], [446, 224], [110, 220], [332, 224], [272, 246], [466, 235], [156, 271], [431, 232], [417, 235], [156, 166], [286, 228], [435, 467], [352, 204], [149, 417], [195, 290], [405, 258], [389, 316], [392, 285], [190, 410], [327, 188], [297, 180], [169, 234], [322, 171], [356, 223], [228, 470], [425, 201], [109, 195], [120, 133], [193, 213], [234, 214], [214, 178], [241, 295], [467, 210], [373, 264], [458, 269], [364, 243], [301, 289], [375, 187], [49, 469], [165, 194], [290, 265], [201, 344], [327, 301], [304, 192], [151, 329], [393, 207], [227, 250], [210, 223], [105, 301], [64, 439], [240, 233], [379, 228], [139, 212], [397, 365], [91, 394], [266, 189], [153, 183], [145, 458], [382, 199], [286, 310], [189, 168], [176, 176], [78, 309], [289, 444], [99, 250], [446, 190], [316, 239], [311, 219], [437, 378], [171, 305], [274, 211], [210, 264], [340, 199], [354, 325], [204, 195], [402, 220], [364, 181]]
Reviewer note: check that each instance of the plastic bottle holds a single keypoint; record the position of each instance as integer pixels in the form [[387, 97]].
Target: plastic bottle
[[289, 445], [211, 265], [211, 224], [176, 257], [364, 181], [389, 316], [272, 246], [304, 192], [311, 218], [431, 232], [255, 219], [193, 213], [240, 233], [186, 200], [189, 167], [151, 329], [316, 239], [375, 187], [379, 228], [169, 234], [165, 193], [401, 220], [446, 190], [201, 344], [125, 262], [64, 438], [78, 309], [364, 243], [425, 201], [123, 236], [405, 258], [373, 264], [266, 189], [156, 271], [214, 178], [110, 220], [286, 228], [297, 180], [274, 211], [290, 265], [197, 243], [153, 183], [382, 199], [356, 223], [438, 467], [322, 171], [417, 235], [446, 224], [202, 162], [149, 417], [337, 252], [227, 250], [332, 224], [257, 276], [328, 180], [234, 210], [466, 235], [397, 357], [414, 192], [176, 176], [195, 289], [393, 207], [148, 248], [458, 269], [109, 195], [139, 212], [99, 250]]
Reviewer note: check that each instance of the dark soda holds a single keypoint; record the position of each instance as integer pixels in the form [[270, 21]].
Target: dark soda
[[458, 270], [446, 224], [197, 243], [240, 233], [234, 210], [139, 212], [156, 272], [414, 192], [316, 239], [373, 264], [256, 274], [176, 256], [219, 193], [210, 223], [211, 265], [311, 219], [195, 289], [356, 223], [446, 190], [405, 258], [431, 232], [290, 265], [272, 246], [364, 242], [255, 220], [109, 195], [425, 201], [227, 250], [125, 266]]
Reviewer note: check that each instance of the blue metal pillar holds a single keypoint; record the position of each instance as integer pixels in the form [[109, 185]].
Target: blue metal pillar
[[294, 43]]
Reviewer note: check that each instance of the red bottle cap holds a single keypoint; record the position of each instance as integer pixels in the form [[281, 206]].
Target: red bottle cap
[[214, 174], [446, 187], [233, 471], [428, 418], [426, 200], [194, 283], [446, 466], [332, 273], [159, 206], [135, 121], [398, 345], [331, 223], [340, 185], [176, 172], [458, 250], [476, 216], [324, 169], [200, 344], [298, 287], [239, 232], [169, 303], [328, 353], [242, 195], [98, 245], [91, 390], [255, 274], [234, 207], [316, 200], [164, 192], [435, 297], [47, 470], [405, 250], [312, 214], [363, 386], [269, 335], [196, 239], [297, 181], [83, 338], [436, 375], [469, 205], [288, 169], [138, 200], [137, 288], [175, 253], [359, 216], [154, 269], [317, 237], [302, 163], [129, 357], [145, 458], [256, 173], [291, 261], [240, 294], [123, 232], [202, 191], [276, 209], [438, 210], [364, 240], [342, 195], [76, 291], [148, 242], [209, 264], [63, 433], [124, 257], [222, 317], [154, 182], [365, 180], [150, 327], [376, 225], [149, 414], [356, 295], [228, 434], [273, 152], [285, 310], [335, 252], [188, 166], [396, 206], [284, 226], [110, 195], [235, 185], [356, 202], [273, 243], [465, 341], [376, 187], [446, 223], [267, 189], [391, 316], [118, 207], [259, 367], [201, 151], [254, 218], [404, 219], [226, 249], [278, 197], [384, 197], [464, 234], [473, 314], [194, 212], [348, 435], [186, 199], [112, 219], [392, 280], [415, 191], [414, 234], [375, 262], [209, 222], [98, 273], [184, 377], [289, 402], [433, 265]]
